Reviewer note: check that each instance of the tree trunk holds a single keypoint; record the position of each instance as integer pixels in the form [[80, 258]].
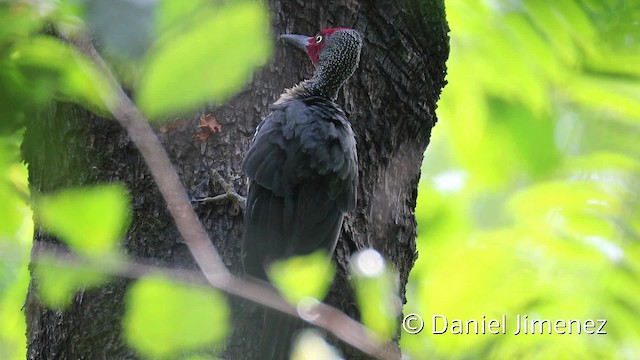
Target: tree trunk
[[390, 101]]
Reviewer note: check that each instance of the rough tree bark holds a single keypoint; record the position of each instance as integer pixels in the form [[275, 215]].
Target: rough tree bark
[[390, 100]]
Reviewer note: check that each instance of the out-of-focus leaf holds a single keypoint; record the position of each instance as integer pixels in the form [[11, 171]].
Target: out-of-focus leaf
[[208, 62], [18, 19], [125, 27], [91, 220], [539, 201], [513, 140], [68, 17], [616, 95], [292, 275], [604, 162], [14, 100], [618, 64], [173, 13], [554, 28], [57, 284], [530, 137], [376, 289], [311, 346], [51, 67], [576, 20], [16, 233], [13, 329], [165, 318], [198, 357], [618, 26], [13, 189], [541, 116]]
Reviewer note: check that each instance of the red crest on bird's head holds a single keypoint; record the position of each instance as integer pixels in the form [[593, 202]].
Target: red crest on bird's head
[[316, 43]]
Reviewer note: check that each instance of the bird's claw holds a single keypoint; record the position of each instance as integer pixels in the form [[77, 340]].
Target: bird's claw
[[229, 194]]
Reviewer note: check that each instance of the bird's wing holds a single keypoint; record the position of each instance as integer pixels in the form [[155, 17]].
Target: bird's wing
[[264, 161], [302, 140], [264, 235], [328, 142]]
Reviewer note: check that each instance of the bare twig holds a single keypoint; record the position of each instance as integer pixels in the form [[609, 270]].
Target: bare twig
[[121, 266], [195, 236], [165, 176], [319, 314]]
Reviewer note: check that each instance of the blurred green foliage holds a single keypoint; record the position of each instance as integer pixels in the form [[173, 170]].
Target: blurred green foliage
[[311, 345], [188, 54], [530, 197], [16, 232], [164, 319], [376, 287], [58, 282], [291, 276], [209, 60], [91, 220]]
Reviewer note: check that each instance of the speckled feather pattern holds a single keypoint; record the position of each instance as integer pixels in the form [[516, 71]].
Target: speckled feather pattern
[[337, 62]]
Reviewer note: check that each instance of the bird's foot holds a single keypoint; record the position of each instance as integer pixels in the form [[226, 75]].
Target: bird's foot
[[229, 194]]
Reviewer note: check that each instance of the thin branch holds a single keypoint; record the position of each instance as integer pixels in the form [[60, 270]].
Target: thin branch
[[195, 236], [320, 314], [122, 266], [165, 176]]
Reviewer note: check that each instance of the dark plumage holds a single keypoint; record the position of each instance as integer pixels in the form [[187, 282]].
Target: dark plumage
[[303, 172], [302, 165]]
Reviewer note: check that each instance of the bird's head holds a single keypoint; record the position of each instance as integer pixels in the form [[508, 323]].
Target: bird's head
[[328, 43], [334, 52]]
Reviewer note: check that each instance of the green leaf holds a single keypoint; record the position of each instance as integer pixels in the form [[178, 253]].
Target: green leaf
[[376, 289], [292, 276], [57, 284], [619, 96], [91, 220], [52, 67], [528, 141], [176, 13], [311, 345], [199, 357], [538, 202], [14, 190], [208, 62], [13, 330], [165, 318], [17, 20]]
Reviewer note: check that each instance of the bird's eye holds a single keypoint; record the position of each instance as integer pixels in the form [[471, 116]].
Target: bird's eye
[[319, 39]]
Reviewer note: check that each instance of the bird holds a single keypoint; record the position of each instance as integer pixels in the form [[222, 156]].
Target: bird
[[302, 168]]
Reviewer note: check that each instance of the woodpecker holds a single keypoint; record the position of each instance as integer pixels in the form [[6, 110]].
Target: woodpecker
[[302, 165]]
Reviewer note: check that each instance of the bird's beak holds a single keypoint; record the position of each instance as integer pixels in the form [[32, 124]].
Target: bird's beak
[[299, 41]]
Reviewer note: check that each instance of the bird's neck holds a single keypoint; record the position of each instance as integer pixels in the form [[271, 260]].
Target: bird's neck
[[325, 83]]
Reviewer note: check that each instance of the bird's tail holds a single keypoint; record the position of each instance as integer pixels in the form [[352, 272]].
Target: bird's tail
[[279, 333]]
